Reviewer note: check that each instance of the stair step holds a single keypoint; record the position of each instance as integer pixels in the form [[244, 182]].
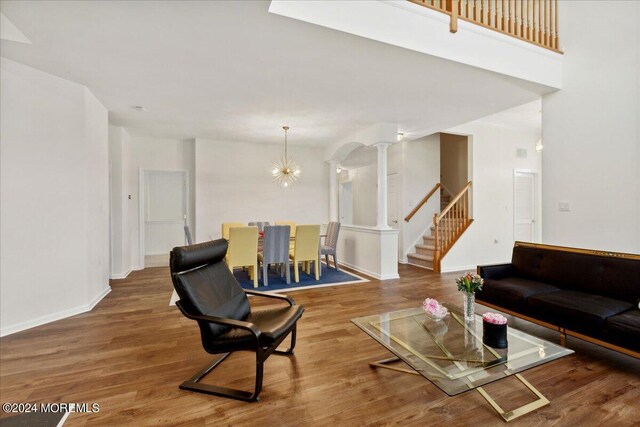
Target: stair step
[[426, 247], [421, 257], [421, 260]]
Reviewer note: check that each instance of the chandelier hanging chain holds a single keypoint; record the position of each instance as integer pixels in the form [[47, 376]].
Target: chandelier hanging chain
[[286, 128]]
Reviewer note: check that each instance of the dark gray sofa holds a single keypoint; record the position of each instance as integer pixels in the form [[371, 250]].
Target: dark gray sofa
[[593, 295]]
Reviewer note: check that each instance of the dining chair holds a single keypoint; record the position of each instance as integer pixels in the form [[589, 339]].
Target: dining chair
[[293, 231], [330, 244], [290, 224], [306, 250], [260, 225], [243, 250], [275, 250], [187, 235], [226, 226]]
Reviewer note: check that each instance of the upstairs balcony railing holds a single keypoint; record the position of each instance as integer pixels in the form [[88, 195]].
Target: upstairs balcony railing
[[534, 21]]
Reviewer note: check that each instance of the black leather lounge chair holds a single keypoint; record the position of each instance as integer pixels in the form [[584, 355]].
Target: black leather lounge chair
[[210, 295]]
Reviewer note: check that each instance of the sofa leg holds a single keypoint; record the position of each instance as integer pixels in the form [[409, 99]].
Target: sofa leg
[[563, 337]]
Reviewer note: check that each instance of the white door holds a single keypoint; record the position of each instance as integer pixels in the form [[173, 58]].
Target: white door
[[393, 209], [165, 211], [524, 206], [345, 202]]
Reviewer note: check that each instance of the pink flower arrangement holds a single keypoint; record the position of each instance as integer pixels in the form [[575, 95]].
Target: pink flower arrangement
[[495, 318], [434, 309]]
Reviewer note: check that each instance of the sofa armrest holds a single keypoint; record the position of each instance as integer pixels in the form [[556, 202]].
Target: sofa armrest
[[496, 271]]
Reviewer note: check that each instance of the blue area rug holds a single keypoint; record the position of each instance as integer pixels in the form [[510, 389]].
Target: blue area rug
[[329, 277]]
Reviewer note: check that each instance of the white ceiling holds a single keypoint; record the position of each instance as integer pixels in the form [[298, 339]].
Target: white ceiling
[[232, 71]]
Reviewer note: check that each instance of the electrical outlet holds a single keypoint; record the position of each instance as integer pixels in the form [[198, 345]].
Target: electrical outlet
[[564, 206]]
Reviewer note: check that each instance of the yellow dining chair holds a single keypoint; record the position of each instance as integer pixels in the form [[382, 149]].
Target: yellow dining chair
[[227, 225], [306, 250], [243, 250]]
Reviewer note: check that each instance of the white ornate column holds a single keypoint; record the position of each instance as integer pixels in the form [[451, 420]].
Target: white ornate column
[[381, 222], [333, 191]]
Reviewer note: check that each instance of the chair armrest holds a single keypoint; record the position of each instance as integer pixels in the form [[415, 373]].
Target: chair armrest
[[496, 271], [268, 295], [222, 321]]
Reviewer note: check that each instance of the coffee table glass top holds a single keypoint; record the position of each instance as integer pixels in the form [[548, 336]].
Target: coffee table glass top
[[450, 352]]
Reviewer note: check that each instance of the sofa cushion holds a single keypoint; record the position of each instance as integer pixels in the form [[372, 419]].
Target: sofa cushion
[[624, 329], [576, 310], [621, 278], [581, 272], [512, 292]]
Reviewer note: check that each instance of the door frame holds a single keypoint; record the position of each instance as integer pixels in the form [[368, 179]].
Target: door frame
[[141, 204], [537, 208]]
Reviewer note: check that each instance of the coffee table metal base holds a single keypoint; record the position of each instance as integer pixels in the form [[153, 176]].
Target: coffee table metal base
[[383, 364], [518, 412], [506, 415]]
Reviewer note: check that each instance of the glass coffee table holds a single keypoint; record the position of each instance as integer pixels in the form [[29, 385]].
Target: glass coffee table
[[451, 355]]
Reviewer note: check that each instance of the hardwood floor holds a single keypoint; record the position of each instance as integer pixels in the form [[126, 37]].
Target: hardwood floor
[[132, 351]]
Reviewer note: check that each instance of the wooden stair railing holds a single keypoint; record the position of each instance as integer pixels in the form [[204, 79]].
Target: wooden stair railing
[[422, 202], [450, 224], [534, 21]]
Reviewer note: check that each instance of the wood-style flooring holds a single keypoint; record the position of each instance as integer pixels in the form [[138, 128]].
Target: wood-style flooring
[[130, 353]]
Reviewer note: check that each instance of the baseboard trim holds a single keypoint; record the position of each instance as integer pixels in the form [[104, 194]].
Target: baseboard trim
[[420, 266], [120, 275], [471, 268], [54, 316], [370, 273]]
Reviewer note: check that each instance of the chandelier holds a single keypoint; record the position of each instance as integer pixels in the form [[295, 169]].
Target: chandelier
[[286, 170]]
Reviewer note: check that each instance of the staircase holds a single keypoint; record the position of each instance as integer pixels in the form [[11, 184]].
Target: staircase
[[445, 199], [423, 256], [447, 227]]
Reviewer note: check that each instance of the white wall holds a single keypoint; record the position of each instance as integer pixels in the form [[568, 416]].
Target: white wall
[[54, 179], [369, 250], [491, 236], [233, 183], [421, 171], [590, 130], [365, 194], [120, 161], [96, 170], [156, 154]]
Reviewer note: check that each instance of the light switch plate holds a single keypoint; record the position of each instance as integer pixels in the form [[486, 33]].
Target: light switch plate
[[564, 206]]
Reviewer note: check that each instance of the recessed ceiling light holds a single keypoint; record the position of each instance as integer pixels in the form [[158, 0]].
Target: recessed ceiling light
[[139, 108], [400, 136]]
